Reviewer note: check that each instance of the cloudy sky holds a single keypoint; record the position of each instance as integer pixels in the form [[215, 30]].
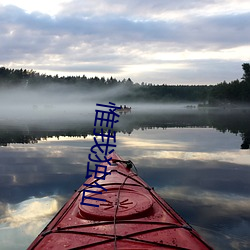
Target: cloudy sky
[[156, 41]]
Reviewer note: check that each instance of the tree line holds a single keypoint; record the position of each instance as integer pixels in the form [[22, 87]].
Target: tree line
[[236, 91]]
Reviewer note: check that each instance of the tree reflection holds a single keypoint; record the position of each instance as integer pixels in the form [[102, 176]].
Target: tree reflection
[[236, 122], [246, 141]]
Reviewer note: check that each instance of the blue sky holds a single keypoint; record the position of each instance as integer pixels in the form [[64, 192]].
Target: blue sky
[[159, 42]]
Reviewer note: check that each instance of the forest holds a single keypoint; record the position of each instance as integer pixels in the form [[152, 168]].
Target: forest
[[224, 93]]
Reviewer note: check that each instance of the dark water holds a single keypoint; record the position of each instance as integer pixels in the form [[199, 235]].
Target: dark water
[[193, 158]]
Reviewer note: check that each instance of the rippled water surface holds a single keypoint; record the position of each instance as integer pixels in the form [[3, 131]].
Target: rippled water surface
[[197, 160]]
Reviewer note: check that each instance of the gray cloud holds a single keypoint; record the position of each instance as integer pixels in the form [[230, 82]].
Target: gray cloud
[[224, 31], [105, 39], [205, 29]]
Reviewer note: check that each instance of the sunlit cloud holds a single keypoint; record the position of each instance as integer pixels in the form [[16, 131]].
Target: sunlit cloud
[[188, 56], [45, 6]]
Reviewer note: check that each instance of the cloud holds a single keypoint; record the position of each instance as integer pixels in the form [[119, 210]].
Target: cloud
[[147, 9], [101, 40]]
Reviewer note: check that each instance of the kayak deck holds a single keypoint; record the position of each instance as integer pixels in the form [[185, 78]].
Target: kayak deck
[[133, 217]]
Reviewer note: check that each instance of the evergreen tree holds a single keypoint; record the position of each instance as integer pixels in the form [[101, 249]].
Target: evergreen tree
[[246, 69]]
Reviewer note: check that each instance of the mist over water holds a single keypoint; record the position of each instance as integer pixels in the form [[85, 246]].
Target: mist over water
[[60, 102], [60, 107], [43, 103]]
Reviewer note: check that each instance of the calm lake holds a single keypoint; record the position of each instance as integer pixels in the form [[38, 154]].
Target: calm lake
[[198, 160]]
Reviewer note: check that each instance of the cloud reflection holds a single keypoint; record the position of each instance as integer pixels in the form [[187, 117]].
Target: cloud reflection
[[228, 203], [225, 215], [22, 222], [222, 156], [186, 144], [197, 170], [29, 212]]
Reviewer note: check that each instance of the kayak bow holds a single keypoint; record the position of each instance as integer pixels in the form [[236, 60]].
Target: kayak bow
[[134, 216]]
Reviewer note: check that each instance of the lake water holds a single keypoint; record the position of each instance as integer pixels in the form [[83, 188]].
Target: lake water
[[197, 160]]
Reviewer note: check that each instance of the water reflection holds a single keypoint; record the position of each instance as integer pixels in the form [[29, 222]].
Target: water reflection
[[202, 175], [19, 222], [234, 121], [191, 159], [33, 209]]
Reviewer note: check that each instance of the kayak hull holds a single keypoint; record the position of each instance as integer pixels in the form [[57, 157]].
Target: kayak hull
[[133, 216]]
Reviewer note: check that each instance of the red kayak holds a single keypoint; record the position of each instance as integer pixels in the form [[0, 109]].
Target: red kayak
[[123, 213]]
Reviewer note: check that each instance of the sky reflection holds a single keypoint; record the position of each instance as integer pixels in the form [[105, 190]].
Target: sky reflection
[[202, 174], [25, 220], [199, 171], [185, 139]]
